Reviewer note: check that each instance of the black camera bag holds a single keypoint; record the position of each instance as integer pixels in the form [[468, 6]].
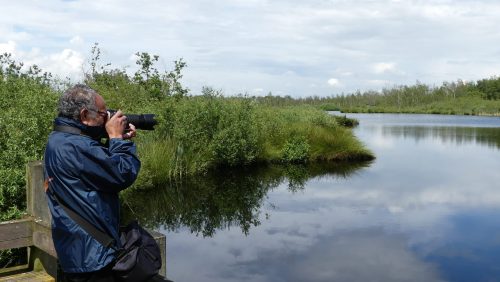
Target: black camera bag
[[140, 257], [138, 260]]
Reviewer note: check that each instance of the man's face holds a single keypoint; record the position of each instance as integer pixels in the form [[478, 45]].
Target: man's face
[[93, 117]]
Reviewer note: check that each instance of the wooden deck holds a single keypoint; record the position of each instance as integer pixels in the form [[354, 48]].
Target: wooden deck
[[41, 276], [34, 233]]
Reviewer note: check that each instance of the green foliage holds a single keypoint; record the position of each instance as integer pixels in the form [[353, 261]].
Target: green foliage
[[236, 139], [202, 133], [296, 150], [458, 97], [27, 107], [300, 125], [345, 121], [490, 88], [329, 107], [143, 91], [13, 257], [209, 131]]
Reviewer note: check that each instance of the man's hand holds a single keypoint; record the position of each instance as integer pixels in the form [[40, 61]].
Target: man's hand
[[115, 127], [131, 132]]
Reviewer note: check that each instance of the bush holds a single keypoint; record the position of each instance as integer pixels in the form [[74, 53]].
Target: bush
[[296, 150], [210, 131], [27, 107]]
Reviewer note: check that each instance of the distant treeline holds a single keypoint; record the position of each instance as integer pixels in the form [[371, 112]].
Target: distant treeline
[[467, 98]]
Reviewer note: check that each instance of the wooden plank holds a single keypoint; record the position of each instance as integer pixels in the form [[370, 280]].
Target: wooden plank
[[29, 276], [14, 270], [16, 233], [16, 243], [15, 229]]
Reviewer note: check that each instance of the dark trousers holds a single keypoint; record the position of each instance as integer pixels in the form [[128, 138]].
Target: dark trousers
[[102, 275]]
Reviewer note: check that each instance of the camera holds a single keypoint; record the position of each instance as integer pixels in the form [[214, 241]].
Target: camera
[[140, 121]]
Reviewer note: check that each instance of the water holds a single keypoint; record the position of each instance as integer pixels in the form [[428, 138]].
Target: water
[[427, 209]]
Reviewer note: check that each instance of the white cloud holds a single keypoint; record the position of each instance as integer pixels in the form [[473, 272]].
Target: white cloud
[[384, 67], [333, 82], [444, 11], [378, 82], [8, 47], [258, 91], [76, 40], [71, 60], [66, 63]]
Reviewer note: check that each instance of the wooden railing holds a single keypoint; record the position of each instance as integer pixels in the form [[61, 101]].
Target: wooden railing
[[34, 233]]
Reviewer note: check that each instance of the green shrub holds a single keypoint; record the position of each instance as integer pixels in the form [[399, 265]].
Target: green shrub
[[345, 121], [296, 150], [27, 107]]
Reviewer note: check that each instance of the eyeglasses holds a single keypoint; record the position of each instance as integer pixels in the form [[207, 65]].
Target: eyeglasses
[[101, 113]]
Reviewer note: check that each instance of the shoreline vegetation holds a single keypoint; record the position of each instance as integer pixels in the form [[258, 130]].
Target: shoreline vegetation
[[195, 134], [210, 132], [481, 97]]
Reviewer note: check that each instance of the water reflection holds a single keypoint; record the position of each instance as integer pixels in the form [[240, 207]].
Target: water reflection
[[351, 255], [426, 209], [219, 200], [445, 134], [471, 251]]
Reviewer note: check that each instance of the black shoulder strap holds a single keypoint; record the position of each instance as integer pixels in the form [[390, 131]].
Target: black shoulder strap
[[67, 129], [100, 236]]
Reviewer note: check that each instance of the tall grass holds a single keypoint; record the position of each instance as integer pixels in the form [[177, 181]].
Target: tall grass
[[208, 132]]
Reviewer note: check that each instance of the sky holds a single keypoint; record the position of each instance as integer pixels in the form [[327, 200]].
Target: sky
[[286, 47]]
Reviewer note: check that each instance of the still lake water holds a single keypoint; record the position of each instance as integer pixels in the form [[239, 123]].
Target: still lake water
[[427, 209]]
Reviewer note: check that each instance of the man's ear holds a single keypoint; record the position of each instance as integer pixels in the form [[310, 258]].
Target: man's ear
[[84, 115]]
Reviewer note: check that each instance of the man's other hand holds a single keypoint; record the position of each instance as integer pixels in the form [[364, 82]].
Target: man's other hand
[[116, 125]]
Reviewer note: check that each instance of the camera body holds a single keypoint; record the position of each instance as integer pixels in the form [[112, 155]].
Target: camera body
[[140, 121]]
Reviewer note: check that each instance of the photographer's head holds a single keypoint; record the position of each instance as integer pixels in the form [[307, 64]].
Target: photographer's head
[[83, 104]]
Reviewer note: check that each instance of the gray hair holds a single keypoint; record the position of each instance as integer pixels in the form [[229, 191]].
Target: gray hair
[[75, 99]]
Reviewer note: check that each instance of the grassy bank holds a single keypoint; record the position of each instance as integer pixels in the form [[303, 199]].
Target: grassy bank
[[207, 132], [452, 106]]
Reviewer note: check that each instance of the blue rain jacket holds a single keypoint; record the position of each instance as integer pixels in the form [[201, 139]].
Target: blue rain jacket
[[87, 176]]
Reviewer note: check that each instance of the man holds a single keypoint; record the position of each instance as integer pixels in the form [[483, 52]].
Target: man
[[87, 176]]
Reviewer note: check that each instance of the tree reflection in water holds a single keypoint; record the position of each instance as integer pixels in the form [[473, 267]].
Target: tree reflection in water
[[447, 134], [223, 198]]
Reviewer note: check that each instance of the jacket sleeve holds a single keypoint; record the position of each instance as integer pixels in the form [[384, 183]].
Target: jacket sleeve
[[109, 169]]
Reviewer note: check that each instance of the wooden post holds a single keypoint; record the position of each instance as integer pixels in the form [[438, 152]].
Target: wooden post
[[36, 201], [42, 255], [161, 239]]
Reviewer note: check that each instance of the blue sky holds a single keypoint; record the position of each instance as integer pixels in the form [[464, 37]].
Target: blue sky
[[297, 48]]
